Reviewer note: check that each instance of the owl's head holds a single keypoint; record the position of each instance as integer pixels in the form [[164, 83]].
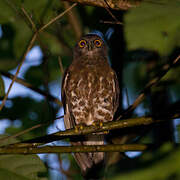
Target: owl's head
[[90, 45]]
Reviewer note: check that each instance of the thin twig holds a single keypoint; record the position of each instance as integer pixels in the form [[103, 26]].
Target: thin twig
[[18, 69], [29, 19], [60, 65], [107, 7], [110, 22], [165, 68], [114, 4], [127, 96], [71, 133], [73, 20], [176, 60], [60, 117], [74, 149], [57, 17], [21, 133], [30, 86]]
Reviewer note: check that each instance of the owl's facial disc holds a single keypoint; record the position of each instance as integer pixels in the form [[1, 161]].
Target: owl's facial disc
[[90, 45]]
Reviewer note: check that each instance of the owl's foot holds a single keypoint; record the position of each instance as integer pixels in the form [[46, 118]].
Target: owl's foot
[[79, 128], [98, 124]]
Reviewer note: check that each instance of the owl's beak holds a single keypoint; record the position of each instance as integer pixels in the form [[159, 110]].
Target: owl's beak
[[90, 46]]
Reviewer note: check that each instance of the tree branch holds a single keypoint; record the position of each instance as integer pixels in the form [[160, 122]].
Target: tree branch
[[20, 133], [73, 149], [116, 5], [73, 21], [76, 132], [57, 17], [29, 19], [28, 85], [165, 68], [30, 44]]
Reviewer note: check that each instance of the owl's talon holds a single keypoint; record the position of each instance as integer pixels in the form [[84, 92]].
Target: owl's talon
[[81, 127], [76, 129], [106, 132], [100, 123]]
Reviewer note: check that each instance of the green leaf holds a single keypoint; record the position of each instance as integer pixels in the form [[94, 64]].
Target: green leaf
[[35, 75], [10, 11], [7, 58], [7, 64], [6, 13], [21, 167], [2, 88], [41, 11], [135, 76], [154, 26], [30, 116], [22, 38], [162, 165]]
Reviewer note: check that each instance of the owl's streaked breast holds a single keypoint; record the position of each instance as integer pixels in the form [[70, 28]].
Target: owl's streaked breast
[[90, 93]]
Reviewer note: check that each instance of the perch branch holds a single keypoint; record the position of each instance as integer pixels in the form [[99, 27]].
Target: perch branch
[[28, 85], [116, 5], [173, 109], [72, 133], [73, 149]]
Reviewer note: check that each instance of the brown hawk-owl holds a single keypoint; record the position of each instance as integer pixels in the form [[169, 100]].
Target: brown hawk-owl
[[90, 94]]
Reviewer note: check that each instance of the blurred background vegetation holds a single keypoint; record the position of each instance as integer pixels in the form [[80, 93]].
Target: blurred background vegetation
[[148, 38]]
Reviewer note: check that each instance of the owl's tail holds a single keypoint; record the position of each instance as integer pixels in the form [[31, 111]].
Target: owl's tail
[[89, 162]]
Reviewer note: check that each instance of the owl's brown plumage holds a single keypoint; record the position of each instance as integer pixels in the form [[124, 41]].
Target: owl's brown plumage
[[90, 94]]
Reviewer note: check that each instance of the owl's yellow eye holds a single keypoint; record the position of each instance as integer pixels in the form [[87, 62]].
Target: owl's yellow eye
[[97, 43], [82, 43]]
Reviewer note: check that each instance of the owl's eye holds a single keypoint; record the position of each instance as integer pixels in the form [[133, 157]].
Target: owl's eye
[[97, 43], [82, 43]]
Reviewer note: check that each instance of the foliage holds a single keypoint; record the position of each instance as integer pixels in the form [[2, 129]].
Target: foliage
[[152, 38], [150, 166], [158, 29], [21, 167]]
